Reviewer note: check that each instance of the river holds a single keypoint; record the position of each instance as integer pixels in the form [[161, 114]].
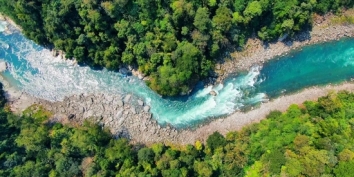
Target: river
[[34, 70]]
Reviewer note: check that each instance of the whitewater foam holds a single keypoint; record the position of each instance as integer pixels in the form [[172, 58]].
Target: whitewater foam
[[42, 75], [34, 70]]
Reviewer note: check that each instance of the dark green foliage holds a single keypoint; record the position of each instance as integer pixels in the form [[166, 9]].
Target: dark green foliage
[[273, 114], [146, 155], [2, 96], [216, 140], [276, 160], [344, 169], [176, 42]]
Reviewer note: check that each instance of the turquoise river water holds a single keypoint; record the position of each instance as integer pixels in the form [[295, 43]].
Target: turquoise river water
[[34, 70]]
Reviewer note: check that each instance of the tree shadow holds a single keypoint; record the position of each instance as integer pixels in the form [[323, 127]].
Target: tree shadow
[[123, 133], [298, 37]]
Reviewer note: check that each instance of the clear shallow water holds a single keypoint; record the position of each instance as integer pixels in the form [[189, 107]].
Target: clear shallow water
[[35, 71]]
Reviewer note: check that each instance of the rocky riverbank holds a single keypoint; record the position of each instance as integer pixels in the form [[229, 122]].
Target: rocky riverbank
[[257, 52], [11, 22], [127, 116]]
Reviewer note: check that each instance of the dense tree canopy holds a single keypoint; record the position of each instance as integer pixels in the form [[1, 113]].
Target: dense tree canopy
[[175, 42]]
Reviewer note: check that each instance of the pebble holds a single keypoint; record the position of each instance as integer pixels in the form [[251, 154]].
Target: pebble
[[120, 103], [132, 109], [146, 108], [141, 103], [127, 98]]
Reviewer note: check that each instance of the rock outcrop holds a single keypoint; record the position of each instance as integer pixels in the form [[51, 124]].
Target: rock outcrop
[[213, 93]]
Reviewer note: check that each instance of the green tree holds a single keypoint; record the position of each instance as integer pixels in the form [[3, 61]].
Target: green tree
[[203, 169], [222, 19], [253, 9], [33, 138], [344, 169], [146, 155], [201, 20], [215, 141]]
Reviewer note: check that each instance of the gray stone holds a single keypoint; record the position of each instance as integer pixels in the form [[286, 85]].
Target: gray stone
[[2, 18], [83, 109], [3, 66], [109, 98], [218, 67], [213, 93], [119, 113], [88, 103], [149, 116], [88, 113], [124, 71], [146, 108], [127, 98], [71, 116], [140, 76], [120, 103], [141, 103], [132, 109], [130, 68], [265, 101], [102, 108]]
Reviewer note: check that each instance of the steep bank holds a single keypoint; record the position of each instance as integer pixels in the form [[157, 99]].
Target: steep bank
[[256, 52]]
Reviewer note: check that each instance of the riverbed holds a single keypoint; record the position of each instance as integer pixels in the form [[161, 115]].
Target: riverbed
[[33, 70]]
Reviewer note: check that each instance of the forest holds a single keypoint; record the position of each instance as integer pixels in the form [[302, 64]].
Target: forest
[[174, 42], [311, 139]]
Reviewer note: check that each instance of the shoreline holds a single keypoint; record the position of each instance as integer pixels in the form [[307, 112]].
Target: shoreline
[[9, 21], [131, 120], [257, 53], [236, 121], [128, 118]]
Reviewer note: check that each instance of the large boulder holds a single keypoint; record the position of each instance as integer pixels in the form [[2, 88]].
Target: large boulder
[[124, 71], [127, 98], [3, 66], [146, 108], [140, 103], [213, 93], [140, 76], [120, 103], [133, 110]]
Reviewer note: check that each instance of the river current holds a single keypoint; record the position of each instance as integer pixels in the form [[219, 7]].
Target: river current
[[34, 70]]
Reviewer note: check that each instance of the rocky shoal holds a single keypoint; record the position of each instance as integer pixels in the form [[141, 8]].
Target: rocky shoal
[[125, 116]]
